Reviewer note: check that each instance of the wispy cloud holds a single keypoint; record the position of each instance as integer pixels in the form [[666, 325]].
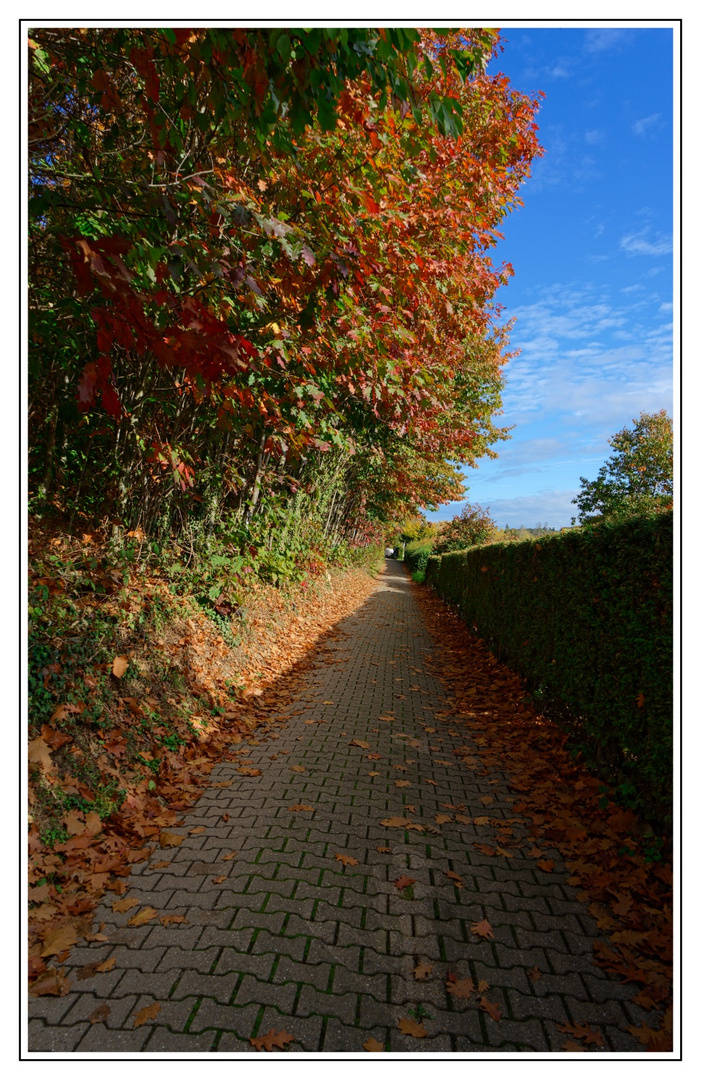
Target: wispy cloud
[[594, 138], [547, 507], [640, 244], [587, 360], [646, 123], [605, 39]]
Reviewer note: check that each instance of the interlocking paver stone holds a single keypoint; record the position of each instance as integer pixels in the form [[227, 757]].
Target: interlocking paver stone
[[292, 940]]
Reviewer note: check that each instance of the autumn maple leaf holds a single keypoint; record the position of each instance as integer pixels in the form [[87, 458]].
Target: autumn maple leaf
[[274, 1040]]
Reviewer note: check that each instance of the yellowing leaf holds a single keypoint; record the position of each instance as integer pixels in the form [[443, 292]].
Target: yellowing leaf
[[483, 929], [274, 1040], [119, 666], [142, 917], [412, 1027], [373, 1046], [422, 971], [170, 839], [146, 1014], [57, 940], [347, 860]]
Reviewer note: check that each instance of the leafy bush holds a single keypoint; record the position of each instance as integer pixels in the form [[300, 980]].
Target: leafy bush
[[586, 618], [417, 555], [471, 526]]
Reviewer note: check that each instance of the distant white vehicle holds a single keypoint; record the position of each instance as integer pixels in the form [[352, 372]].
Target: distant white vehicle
[[389, 552]]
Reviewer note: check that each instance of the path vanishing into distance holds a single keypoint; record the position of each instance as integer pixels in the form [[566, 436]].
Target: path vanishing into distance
[[328, 930]]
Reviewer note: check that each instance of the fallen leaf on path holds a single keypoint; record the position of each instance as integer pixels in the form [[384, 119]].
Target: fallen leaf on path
[[461, 988], [106, 965], [231, 855], [218, 880], [403, 882], [582, 1031], [300, 806], [443, 819], [374, 757], [360, 743], [51, 982], [482, 985], [297, 768], [486, 800], [160, 865], [402, 783], [374, 773], [481, 820], [225, 817], [463, 819], [58, 940], [534, 974], [170, 839], [546, 864], [272, 1041], [149, 1013], [490, 1007], [142, 917], [412, 1027], [245, 771], [373, 1046], [483, 929], [384, 850], [433, 782], [99, 1015], [222, 784], [396, 822], [197, 830], [347, 860], [455, 878], [168, 920], [573, 1047], [421, 971], [485, 849]]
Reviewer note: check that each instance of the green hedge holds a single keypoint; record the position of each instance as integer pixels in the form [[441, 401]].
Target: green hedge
[[416, 556], [586, 617]]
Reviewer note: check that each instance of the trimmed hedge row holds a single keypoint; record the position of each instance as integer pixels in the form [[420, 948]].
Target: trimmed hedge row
[[586, 618], [416, 557]]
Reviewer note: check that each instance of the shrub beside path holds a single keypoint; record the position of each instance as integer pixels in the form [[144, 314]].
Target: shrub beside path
[[329, 927]]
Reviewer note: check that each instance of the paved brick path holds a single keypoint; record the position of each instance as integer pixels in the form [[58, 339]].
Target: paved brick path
[[291, 939]]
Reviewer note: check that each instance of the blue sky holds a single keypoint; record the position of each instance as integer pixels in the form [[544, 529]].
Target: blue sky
[[593, 258]]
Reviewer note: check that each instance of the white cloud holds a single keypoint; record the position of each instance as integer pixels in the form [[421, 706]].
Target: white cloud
[[587, 361], [604, 39], [593, 138], [550, 507], [646, 123], [639, 244]]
